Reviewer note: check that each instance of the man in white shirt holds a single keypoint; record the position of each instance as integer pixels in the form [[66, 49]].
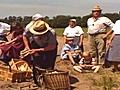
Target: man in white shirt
[[74, 31], [97, 34]]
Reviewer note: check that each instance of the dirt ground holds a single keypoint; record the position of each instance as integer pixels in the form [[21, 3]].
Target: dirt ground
[[104, 80]]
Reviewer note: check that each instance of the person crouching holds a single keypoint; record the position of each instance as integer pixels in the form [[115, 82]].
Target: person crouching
[[87, 63]]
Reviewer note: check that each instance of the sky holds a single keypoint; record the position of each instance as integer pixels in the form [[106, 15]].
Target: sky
[[52, 8]]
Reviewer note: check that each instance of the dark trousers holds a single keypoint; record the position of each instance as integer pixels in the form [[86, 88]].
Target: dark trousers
[[45, 60]]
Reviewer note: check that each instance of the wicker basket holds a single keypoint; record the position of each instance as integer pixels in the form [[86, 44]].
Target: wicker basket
[[57, 80]]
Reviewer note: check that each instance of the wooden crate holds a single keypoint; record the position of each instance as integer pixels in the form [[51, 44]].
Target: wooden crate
[[15, 73], [16, 64]]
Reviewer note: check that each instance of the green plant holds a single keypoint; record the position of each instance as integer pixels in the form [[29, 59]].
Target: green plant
[[105, 82]]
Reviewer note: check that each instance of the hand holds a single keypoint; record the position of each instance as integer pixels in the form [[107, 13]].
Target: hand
[[24, 53], [108, 43], [33, 51], [81, 43]]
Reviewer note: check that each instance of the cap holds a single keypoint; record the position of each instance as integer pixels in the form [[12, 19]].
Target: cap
[[74, 20], [37, 16]]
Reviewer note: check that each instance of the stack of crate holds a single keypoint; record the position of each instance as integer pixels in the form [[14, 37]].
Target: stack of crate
[[18, 71]]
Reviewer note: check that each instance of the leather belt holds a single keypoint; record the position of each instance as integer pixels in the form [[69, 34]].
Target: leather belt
[[98, 33]]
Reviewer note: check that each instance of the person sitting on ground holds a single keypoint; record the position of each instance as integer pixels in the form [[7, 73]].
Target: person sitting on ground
[[87, 63], [71, 51], [12, 48]]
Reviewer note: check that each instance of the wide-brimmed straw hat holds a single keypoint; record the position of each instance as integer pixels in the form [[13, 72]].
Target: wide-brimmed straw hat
[[97, 8], [39, 27]]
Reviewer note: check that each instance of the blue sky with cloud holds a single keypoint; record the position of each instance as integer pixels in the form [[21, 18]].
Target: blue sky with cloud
[[53, 8]]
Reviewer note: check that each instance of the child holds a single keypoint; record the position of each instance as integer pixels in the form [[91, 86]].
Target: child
[[87, 63], [71, 51]]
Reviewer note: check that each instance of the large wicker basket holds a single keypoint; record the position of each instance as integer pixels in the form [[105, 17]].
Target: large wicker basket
[[57, 80]]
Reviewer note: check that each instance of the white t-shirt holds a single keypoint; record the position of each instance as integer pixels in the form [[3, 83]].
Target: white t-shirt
[[99, 25], [4, 26], [29, 24], [116, 27], [73, 32]]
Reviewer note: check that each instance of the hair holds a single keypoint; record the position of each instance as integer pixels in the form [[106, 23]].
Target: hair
[[16, 26], [87, 53]]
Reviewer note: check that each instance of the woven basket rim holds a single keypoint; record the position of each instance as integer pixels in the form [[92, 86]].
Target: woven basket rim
[[57, 81], [59, 72]]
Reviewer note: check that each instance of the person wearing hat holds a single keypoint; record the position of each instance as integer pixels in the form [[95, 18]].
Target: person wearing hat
[[71, 51], [41, 45], [97, 33], [87, 63], [34, 18], [74, 31]]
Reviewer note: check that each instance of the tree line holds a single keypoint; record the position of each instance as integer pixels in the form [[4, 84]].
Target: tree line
[[60, 21]]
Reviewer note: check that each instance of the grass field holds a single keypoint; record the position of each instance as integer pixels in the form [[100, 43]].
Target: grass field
[[59, 32]]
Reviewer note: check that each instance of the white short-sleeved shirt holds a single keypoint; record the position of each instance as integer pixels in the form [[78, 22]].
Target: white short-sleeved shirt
[[116, 27], [4, 26], [73, 32], [99, 25], [91, 61], [28, 25]]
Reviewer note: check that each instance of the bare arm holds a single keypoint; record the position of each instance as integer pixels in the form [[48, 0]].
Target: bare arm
[[64, 39], [81, 39], [25, 40], [11, 41], [110, 40], [107, 34], [47, 48]]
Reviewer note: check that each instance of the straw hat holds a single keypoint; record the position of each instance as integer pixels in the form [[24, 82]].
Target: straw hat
[[97, 8], [39, 27]]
